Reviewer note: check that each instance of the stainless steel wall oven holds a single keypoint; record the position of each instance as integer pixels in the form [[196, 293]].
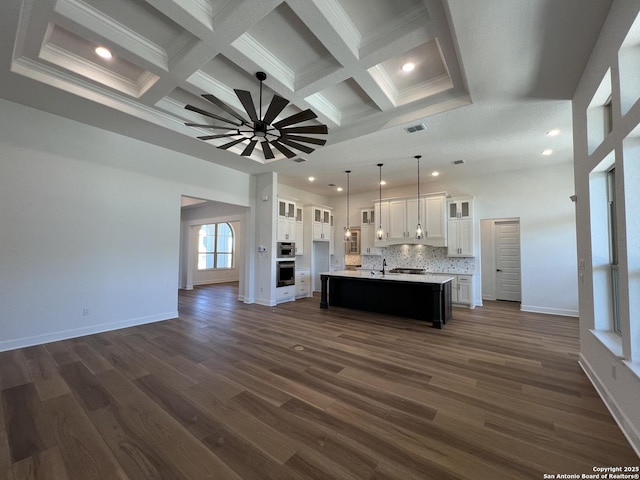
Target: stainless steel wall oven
[[285, 273]]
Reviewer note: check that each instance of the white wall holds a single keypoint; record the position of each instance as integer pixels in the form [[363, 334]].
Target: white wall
[[540, 198], [266, 193], [301, 197], [91, 220], [611, 361]]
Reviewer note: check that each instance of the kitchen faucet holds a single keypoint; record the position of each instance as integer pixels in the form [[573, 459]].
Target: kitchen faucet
[[384, 264]]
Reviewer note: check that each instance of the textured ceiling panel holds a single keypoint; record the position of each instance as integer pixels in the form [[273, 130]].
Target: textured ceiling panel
[[491, 77]]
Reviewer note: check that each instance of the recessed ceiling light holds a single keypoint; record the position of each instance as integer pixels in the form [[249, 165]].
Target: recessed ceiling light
[[382, 182], [311, 179], [553, 133], [435, 174], [339, 189], [547, 152], [408, 67], [103, 52]]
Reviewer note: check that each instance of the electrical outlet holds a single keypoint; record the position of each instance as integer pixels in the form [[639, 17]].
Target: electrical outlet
[[85, 312]]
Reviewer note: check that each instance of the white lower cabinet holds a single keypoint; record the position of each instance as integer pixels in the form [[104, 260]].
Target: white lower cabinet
[[461, 289], [303, 283], [285, 294]]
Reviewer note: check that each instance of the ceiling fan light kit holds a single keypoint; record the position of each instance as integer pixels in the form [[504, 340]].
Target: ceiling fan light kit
[[283, 134]]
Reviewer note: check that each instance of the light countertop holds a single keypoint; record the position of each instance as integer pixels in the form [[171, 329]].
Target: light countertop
[[440, 278]]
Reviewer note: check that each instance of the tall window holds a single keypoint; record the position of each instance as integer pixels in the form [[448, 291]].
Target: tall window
[[216, 246], [613, 248]]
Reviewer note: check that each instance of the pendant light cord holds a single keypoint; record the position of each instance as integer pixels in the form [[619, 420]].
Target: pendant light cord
[[380, 232], [348, 172], [348, 230], [418, 225], [418, 157]]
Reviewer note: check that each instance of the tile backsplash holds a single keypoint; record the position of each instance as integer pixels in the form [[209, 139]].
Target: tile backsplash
[[432, 259], [353, 260]]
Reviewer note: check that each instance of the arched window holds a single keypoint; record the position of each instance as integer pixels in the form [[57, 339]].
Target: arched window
[[216, 246]]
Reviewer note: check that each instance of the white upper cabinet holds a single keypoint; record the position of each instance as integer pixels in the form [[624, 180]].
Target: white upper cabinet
[[367, 216], [368, 229], [400, 219], [382, 215], [286, 229], [460, 228], [460, 208], [322, 223], [434, 222], [299, 231]]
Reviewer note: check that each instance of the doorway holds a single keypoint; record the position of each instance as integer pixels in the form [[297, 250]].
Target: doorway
[[500, 250], [196, 212]]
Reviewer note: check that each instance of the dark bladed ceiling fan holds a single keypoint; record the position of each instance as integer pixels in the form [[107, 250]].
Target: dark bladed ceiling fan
[[281, 135]]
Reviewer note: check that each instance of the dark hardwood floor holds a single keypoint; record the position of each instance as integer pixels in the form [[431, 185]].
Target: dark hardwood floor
[[235, 391]]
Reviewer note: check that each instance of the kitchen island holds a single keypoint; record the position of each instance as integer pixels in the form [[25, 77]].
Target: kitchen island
[[423, 297]]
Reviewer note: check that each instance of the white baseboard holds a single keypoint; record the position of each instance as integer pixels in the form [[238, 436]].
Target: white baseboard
[[81, 332], [549, 311], [628, 429], [215, 281], [265, 302], [488, 297]]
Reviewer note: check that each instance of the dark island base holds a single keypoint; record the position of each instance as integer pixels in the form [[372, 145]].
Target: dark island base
[[422, 301]]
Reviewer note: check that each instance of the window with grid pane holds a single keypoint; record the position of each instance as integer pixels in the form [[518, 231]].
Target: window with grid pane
[[613, 249], [215, 246]]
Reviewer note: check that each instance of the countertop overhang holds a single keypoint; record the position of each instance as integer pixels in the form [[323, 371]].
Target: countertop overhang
[[439, 279]]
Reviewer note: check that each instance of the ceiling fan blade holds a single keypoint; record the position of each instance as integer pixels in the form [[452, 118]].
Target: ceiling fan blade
[[249, 148], [297, 118], [275, 107], [266, 149], [219, 103], [211, 137], [296, 145], [285, 151], [209, 114], [316, 141], [231, 144], [306, 129], [204, 125], [247, 102]]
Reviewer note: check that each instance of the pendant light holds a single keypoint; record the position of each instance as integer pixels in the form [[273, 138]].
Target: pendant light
[[347, 231], [380, 233], [418, 227]]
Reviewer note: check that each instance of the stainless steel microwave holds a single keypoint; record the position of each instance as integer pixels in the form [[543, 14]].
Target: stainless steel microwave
[[286, 250]]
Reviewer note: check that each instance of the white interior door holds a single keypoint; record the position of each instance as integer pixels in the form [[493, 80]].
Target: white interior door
[[507, 248]]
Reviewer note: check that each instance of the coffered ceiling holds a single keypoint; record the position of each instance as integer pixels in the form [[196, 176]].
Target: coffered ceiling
[[490, 77]]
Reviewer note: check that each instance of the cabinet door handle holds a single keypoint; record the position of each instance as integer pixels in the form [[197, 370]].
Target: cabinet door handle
[[498, 270]]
